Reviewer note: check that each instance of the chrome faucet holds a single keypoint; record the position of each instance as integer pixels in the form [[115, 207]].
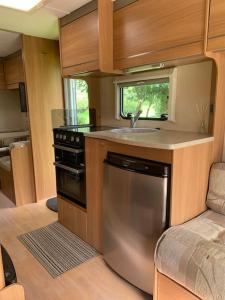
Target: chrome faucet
[[134, 118]]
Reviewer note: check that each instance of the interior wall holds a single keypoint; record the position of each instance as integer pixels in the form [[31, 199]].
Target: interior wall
[[193, 87], [11, 118]]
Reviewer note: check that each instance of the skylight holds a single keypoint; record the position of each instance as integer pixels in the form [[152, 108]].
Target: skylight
[[24, 5]]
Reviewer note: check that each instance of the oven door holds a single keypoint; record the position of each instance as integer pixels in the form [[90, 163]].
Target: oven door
[[71, 183], [70, 156]]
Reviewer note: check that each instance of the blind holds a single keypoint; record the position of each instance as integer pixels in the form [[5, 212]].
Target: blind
[[143, 82]]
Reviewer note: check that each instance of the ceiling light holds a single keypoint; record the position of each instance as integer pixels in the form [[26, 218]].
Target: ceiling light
[[24, 5]]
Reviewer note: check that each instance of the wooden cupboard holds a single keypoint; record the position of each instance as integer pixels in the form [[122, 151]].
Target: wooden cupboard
[[150, 31], [187, 196], [44, 93], [86, 40], [76, 48], [216, 30], [13, 70]]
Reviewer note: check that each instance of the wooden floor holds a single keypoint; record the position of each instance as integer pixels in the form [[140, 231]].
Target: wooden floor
[[92, 280]]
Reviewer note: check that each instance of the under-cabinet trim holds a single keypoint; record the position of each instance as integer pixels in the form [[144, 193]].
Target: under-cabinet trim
[[122, 3], [78, 13]]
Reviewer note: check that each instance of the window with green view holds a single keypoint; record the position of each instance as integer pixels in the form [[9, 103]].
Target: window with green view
[[77, 101], [149, 96]]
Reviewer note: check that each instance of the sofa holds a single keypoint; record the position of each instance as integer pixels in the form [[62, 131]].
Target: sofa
[[192, 255]]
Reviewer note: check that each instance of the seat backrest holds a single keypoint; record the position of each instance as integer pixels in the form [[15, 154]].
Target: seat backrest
[[5, 163], [216, 193]]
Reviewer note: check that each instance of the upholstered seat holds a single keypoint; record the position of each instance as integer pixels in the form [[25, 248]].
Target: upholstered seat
[[193, 254], [5, 163]]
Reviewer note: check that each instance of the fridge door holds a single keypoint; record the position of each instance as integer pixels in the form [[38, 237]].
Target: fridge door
[[134, 217]]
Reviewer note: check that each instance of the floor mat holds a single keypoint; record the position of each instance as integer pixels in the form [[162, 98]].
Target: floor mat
[[56, 248]]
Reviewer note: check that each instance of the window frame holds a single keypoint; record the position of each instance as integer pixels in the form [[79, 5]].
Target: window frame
[[171, 74]]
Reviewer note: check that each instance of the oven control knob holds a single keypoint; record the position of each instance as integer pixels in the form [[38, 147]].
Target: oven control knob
[[77, 139], [57, 135], [72, 139], [64, 137], [61, 136]]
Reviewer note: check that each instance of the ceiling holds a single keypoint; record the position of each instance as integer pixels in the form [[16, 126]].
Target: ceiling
[[42, 22], [62, 8], [10, 43]]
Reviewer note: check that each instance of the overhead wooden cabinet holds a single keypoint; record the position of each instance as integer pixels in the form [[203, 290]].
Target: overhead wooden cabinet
[[86, 40], [216, 33], [150, 31], [13, 69]]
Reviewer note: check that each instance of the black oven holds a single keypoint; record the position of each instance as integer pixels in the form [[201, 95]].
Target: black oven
[[71, 185], [69, 144], [70, 166]]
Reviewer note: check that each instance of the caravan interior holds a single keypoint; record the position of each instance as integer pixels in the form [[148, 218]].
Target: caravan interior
[[112, 123]]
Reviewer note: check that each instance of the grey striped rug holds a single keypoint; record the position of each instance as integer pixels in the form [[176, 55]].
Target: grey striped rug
[[56, 248]]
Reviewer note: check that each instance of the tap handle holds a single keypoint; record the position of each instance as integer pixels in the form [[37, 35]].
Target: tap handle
[[130, 115]]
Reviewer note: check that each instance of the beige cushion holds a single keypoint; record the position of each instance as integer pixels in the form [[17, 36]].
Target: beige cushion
[[5, 163], [216, 193], [193, 254]]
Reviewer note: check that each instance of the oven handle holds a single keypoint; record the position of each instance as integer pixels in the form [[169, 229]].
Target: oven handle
[[72, 170], [69, 149]]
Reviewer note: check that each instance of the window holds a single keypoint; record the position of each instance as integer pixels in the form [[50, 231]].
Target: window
[[76, 101], [153, 95]]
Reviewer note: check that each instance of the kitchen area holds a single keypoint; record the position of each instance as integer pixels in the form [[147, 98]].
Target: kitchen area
[[123, 180], [120, 188], [131, 169], [116, 134]]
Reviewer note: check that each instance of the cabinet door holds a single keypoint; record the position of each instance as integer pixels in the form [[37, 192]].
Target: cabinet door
[[216, 34], [73, 217], [155, 30], [13, 68], [79, 44]]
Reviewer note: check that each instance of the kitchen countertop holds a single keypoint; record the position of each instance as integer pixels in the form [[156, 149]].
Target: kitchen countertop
[[160, 139]]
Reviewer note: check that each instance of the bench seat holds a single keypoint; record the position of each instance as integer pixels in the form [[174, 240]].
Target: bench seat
[[5, 163], [193, 255]]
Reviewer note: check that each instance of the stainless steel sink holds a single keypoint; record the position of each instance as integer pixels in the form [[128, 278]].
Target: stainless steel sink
[[134, 130]]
